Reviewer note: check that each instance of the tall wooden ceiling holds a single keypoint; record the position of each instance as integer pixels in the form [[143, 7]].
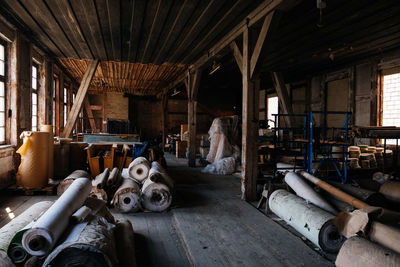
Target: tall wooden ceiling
[[125, 77], [139, 31]]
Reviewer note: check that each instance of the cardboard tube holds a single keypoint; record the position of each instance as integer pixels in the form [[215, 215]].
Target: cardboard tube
[[334, 191], [49, 129]]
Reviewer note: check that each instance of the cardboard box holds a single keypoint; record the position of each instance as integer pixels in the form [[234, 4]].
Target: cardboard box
[[184, 128], [181, 149]]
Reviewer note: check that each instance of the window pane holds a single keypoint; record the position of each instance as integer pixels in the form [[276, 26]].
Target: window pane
[[34, 110], [34, 83], [2, 92], [34, 72], [34, 99], [2, 134], [2, 68], [2, 104], [272, 109], [391, 98], [2, 52], [2, 119]]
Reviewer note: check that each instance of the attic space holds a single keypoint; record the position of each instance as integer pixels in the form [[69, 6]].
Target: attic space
[[199, 133]]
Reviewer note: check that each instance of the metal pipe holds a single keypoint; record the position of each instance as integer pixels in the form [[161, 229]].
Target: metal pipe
[[312, 222], [334, 191]]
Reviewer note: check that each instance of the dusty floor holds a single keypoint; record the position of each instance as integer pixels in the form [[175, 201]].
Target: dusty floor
[[208, 225]]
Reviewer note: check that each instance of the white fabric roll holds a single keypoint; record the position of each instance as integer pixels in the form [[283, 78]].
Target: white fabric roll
[[139, 169], [40, 239], [158, 175], [127, 197], [155, 196]]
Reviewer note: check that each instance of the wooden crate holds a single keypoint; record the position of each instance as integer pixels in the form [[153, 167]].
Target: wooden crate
[[181, 149]]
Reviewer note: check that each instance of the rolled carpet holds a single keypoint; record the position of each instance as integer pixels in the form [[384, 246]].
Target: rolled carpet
[[127, 197], [40, 239], [90, 243], [11, 234], [139, 169], [156, 190], [70, 179]]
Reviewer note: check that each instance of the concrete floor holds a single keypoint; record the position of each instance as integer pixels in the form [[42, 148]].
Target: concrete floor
[[208, 225]]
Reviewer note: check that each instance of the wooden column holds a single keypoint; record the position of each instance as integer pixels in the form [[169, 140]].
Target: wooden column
[[192, 85], [83, 88], [19, 84], [45, 102], [90, 114], [164, 118], [104, 119], [249, 124]]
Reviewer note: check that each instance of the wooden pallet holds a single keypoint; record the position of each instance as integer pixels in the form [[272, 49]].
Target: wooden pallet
[[48, 190]]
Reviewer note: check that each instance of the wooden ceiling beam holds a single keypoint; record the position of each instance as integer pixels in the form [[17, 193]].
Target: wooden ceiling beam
[[83, 88], [262, 10]]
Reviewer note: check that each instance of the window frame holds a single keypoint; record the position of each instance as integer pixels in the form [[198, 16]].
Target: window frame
[[3, 79], [36, 92], [65, 103]]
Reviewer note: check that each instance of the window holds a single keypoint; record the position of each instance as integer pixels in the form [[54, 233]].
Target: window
[[2, 93], [34, 97], [55, 81], [272, 108], [390, 102], [65, 105]]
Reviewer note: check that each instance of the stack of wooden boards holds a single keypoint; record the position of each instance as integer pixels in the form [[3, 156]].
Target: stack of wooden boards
[[74, 230], [369, 157], [143, 185]]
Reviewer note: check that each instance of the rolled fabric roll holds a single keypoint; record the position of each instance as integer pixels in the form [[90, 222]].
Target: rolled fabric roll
[[357, 251], [391, 190], [312, 222], [158, 175], [11, 234], [70, 179], [101, 180], [302, 189], [127, 197], [40, 239], [81, 214], [33, 170], [139, 169], [156, 196], [90, 243]]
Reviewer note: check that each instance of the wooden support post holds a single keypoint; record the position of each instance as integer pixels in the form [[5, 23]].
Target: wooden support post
[[104, 119], [192, 85], [283, 96], [90, 115], [249, 125], [20, 88], [45, 102], [164, 118], [83, 88]]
